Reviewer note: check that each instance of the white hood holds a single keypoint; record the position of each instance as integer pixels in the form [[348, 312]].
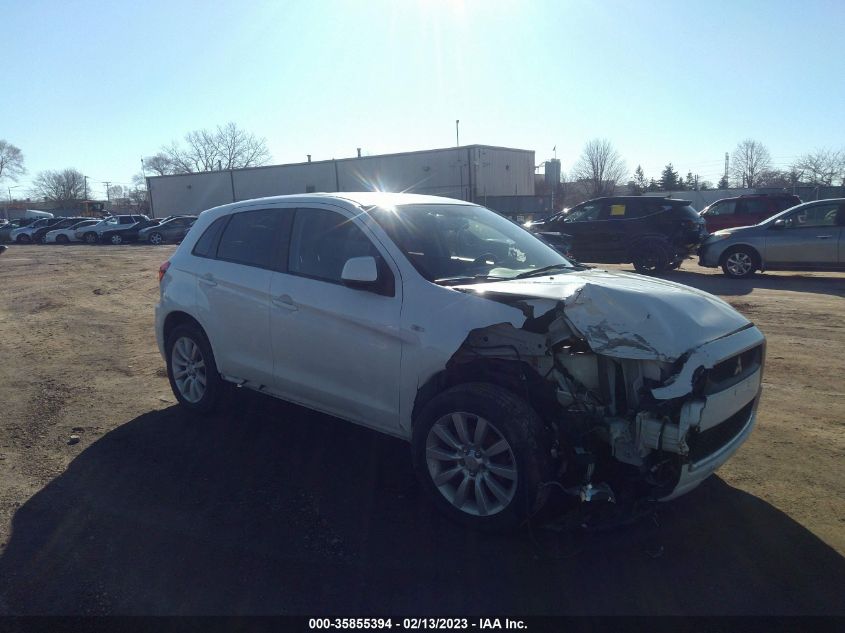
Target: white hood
[[627, 315]]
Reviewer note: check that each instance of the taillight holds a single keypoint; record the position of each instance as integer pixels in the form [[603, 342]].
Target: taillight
[[163, 269]]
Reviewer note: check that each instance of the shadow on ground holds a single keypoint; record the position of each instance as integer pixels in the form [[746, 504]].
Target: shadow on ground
[[274, 509]]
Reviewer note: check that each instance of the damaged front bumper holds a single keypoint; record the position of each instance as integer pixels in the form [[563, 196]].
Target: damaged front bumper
[[718, 389]]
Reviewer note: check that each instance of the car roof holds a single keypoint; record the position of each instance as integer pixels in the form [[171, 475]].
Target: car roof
[[635, 198], [363, 199]]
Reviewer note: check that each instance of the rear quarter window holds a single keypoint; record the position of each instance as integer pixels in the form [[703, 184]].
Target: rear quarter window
[[206, 245]]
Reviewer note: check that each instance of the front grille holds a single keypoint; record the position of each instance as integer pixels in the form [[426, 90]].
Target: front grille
[[705, 443], [733, 370]]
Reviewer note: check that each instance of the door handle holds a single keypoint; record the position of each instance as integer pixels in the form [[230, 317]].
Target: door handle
[[286, 302], [208, 279], [823, 237]]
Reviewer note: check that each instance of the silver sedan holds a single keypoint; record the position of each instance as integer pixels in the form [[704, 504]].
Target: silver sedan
[[810, 236]]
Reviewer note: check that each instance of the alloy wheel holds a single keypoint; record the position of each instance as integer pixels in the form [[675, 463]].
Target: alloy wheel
[[188, 369], [471, 463], [156, 239], [739, 263]]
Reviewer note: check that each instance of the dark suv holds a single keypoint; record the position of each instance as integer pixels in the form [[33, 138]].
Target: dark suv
[[746, 210], [654, 234]]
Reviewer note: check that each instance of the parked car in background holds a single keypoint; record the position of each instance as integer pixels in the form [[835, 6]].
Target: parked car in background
[[128, 233], [6, 229], [68, 234], [437, 321], [810, 236], [172, 229], [746, 210], [39, 236], [23, 234], [91, 234], [654, 234]]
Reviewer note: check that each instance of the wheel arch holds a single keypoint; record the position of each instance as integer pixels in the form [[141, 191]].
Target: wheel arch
[[177, 318], [754, 251], [642, 238], [516, 377]]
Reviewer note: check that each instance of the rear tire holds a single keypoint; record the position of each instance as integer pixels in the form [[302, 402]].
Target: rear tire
[[115, 239], [192, 370], [156, 239], [90, 237], [482, 454], [651, 257], [23, 239], [740, 262], [62, 239]]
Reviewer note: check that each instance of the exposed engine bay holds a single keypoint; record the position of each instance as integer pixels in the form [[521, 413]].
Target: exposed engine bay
[[632, 414]]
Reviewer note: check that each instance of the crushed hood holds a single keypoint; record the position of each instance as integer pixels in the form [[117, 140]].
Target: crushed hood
[[625, 315]]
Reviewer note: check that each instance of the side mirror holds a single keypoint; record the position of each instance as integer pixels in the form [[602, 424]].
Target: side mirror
[[362, 273], [359, 271], [778, 224]]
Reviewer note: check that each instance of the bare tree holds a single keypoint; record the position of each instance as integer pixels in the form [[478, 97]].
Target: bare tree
[[822, 167], [748, 161], [63, 186], [601, 166], [227, 147], [11, 161], [159, 164], [116, 191]]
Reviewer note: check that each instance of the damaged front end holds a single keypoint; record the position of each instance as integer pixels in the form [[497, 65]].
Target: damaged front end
[[631, 416]]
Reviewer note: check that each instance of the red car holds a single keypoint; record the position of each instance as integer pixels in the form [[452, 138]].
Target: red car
[[746, 210]]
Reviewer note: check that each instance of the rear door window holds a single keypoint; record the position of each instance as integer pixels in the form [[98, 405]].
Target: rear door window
[[753, 206], [254, 238]]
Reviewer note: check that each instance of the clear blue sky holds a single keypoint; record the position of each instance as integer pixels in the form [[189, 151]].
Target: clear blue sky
[[97, 85]]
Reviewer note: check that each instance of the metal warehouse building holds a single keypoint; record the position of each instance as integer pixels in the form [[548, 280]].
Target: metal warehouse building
[[478, 173]]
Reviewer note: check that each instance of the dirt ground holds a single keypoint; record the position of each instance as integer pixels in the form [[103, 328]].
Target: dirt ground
[[273, 509]]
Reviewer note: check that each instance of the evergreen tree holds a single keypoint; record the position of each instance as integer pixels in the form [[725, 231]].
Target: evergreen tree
[[669, 180], [723, 183], [640, 182], [653, 186]]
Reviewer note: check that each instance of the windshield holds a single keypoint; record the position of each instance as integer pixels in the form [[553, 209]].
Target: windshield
[[456, 243]]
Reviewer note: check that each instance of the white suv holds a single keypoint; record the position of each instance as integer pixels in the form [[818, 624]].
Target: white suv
[[509, 369], [91, 234]]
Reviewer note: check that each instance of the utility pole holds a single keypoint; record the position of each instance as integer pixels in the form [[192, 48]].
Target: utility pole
[[457, 133], [108, 196], [727, 163], [86, 187]]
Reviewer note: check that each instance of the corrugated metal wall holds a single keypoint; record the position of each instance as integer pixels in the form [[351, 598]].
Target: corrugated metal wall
[[466, 173]]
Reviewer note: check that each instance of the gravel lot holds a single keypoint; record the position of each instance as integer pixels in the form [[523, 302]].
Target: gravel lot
[[274, 509]]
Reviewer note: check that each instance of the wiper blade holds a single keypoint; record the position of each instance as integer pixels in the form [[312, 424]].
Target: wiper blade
[[542, 271], [448, 281]]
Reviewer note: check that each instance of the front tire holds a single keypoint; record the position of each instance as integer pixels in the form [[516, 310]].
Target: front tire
[[482, 454], [62, 239], [23, 239], [90, 238], [192, 371], [115, 239], [740, 262], [156, 239]]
